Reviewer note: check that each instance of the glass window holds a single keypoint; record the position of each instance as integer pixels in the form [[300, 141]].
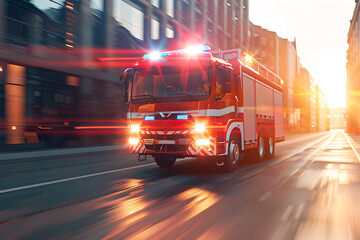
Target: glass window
[[155, 29], [220, 83], [169, 32], [51, 8], [131, 17], [156, 3], [97, 4], [48, 4], [171, 82], [170, 7]]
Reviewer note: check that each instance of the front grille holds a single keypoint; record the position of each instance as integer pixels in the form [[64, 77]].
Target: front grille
[[165, 137], [167, 148]]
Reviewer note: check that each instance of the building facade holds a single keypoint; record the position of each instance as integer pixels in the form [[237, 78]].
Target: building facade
[[338, 118], [321, 110], [280, 55], [265, 47], [55, 76], [305, 101], [353, 73], [289, 70]]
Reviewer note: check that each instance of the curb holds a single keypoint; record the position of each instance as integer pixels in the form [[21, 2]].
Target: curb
[[60, 152]]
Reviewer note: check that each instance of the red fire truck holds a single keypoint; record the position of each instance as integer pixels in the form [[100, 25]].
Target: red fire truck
[[206, 104]]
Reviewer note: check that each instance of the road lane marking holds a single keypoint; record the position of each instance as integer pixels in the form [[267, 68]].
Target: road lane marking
[[72, 178], [265, 197], [298, 139], [298, 211], [352, 147], [78, 177], [282, 159], [141, 166], [287, 213]]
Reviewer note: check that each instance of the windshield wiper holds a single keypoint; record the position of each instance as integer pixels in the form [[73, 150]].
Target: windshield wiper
[[182, 94], [148, 97]]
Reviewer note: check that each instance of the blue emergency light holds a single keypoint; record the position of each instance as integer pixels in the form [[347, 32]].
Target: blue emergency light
[[189, 50], [149, 118], [182, 117]]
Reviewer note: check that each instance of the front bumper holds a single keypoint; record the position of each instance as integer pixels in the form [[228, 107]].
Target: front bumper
[[180, 144]]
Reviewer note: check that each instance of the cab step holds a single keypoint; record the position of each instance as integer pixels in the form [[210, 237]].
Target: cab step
[[219, 164], [142, 157]]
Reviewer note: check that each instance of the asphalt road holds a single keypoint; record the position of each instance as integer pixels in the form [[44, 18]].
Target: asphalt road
[[309, 190]]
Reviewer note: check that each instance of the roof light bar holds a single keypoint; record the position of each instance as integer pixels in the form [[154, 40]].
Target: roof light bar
[[190, 50]]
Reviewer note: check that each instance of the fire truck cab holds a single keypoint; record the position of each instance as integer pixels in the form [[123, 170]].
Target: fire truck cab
[[206, 104]]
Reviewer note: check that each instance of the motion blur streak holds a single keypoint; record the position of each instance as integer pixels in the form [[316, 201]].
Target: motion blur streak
[[196, 201]]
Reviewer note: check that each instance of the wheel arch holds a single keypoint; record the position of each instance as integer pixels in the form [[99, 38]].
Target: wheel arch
[[234, 126]]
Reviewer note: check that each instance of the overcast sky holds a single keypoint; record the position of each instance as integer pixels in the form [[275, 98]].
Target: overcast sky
[[320, 28]]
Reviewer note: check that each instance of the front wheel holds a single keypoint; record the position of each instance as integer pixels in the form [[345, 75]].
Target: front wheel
[[164, 161], [235, 154]]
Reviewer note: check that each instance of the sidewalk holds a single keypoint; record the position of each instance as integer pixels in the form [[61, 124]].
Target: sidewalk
[[292, 136], [60, 152]]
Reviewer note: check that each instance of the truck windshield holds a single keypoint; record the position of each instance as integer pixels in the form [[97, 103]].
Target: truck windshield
[[171, 83]]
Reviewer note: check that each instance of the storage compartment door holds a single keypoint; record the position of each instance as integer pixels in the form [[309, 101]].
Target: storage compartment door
[[249, 108], [279, 115]]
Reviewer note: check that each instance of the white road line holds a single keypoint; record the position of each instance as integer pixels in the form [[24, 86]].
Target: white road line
[[72, 178], [78, 177], [265, 197], [287, 213], [352, 147], [135, 167], [298, 211], [282, 159], [298, 140]]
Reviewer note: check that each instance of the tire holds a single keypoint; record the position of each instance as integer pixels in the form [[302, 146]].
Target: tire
[[270, 146], [235, 154], [261, 150], [164, 161]]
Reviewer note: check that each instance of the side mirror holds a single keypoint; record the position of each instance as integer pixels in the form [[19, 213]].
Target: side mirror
[[128, 77], [126, 96]]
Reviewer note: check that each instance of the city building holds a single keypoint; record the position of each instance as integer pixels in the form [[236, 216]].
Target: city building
[[353, 73], [305, 101], [288, 70], [265, 47], [56, 72], [321, 110], [338, 118], [279, 55]]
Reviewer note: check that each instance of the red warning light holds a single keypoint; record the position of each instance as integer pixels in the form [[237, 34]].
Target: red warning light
[[1, 69]]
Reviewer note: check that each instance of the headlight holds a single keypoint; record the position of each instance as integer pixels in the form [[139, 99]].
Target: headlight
[[133, 141], [200, 128], [202, 142], [135, 128]]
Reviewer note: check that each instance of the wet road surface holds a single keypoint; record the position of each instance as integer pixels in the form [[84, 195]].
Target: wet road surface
[[309, 190]]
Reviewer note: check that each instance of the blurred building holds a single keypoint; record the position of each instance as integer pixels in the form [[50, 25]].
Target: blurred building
[[280, 55], [321, 110], [57, 84], [289, 69], [353, 73], [169, 23], [305, 101], [338, 118], [265, 47]]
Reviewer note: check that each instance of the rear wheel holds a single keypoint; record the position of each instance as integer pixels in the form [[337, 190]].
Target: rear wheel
[[261, 147], [164, 161], [270, 147], [235, 154]]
